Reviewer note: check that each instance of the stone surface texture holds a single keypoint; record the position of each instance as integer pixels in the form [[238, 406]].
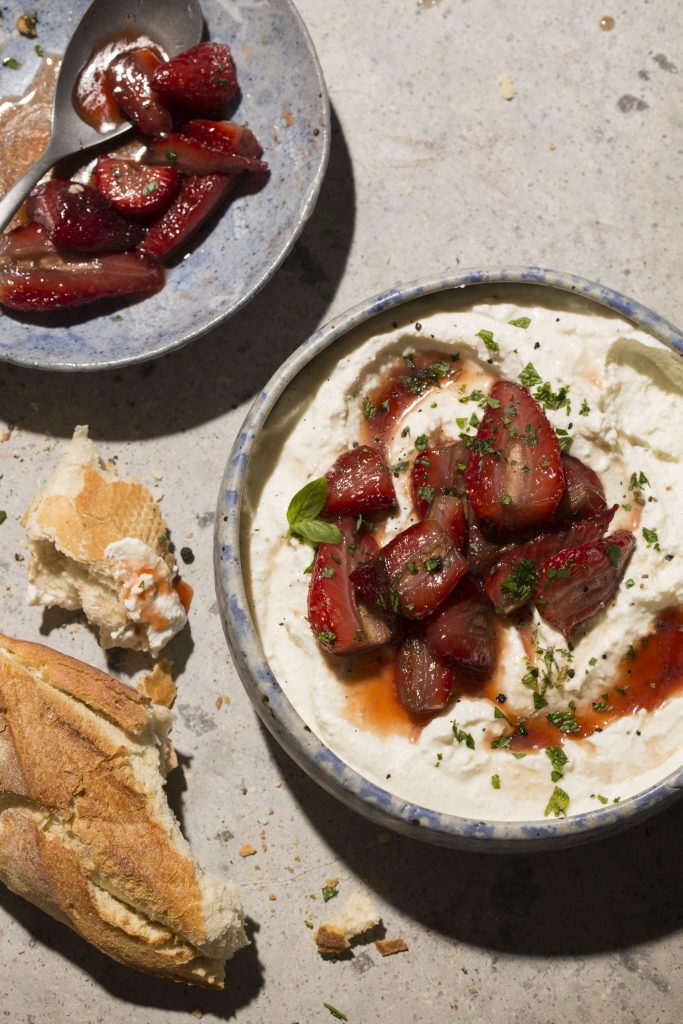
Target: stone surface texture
[[431, 167]]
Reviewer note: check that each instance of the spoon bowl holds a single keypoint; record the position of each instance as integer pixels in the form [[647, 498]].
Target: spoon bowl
[[175, 27]]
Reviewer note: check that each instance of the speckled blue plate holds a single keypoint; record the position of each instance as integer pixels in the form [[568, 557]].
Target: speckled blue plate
[[268, 698], [285, 102]]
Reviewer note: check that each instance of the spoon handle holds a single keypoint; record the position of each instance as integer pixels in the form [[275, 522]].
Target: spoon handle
[[10, 203]]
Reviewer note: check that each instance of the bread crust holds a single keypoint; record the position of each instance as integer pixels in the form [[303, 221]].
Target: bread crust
[[85, 831]]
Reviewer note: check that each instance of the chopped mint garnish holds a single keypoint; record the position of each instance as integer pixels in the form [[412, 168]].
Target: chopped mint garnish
[[329, 892], [461, 736], [565, 721], [651, 538], [530, 376], [488, 339], [585, 408], [558, 760], [558, 803], [495, 781], [521, 321]]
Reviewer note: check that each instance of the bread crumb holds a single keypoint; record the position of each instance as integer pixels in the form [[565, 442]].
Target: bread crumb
[[279, 784], [272, 896], [198, 1013], [331, 883], [552, 147], [219, 703], [387, 947], [158, 684], [330, 939], [508, 89], [247, 850], [157, 474]]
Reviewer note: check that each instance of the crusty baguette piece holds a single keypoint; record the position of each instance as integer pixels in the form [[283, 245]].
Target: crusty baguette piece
[[85, 830], [99, 542]]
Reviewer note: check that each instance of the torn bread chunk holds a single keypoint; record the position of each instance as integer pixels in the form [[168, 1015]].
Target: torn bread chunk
[[86, 833], [99, 543], [359, 914]]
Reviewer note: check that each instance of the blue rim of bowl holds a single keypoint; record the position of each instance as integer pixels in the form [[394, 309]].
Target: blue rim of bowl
[[305, 210], [269, 700]]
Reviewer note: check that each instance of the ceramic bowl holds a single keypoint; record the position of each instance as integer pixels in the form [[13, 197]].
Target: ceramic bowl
[[263, 688], [285, 102]]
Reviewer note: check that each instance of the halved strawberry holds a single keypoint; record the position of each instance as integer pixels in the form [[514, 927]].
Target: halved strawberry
[[134, 189], [34, 289], [449, 513], [202, 78], [583, 494], [27, 242], [575, 584], [196, 201], [77, 217], [480, 550], [439, 470], [190, 156], [514, 476], [463, 629], [424, 565], [225, 136], [340, 623], [359, 482], [424, 683], [514, 577], [129, 77]]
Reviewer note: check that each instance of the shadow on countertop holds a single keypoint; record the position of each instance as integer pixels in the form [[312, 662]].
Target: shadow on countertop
[[243, 975], [606, 896], [215, 373]]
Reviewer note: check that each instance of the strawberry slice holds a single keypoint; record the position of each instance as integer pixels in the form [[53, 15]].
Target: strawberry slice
[[514, 476], [449, 513], [340, 623], [27, 242], [512, 580], [424, 683], [480, 550], [583, 494], [576, 583], [359, 482], [190, 156], [77, 217], [134, 189], [202, 78], [34, 289], [463, 629], [424, 565], [225, 136], [439, 470], [197, 200], [129, 76]]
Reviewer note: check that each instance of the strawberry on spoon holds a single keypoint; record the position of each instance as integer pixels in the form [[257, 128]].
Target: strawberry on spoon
[[201, 79], [129, 77], [514, 476]]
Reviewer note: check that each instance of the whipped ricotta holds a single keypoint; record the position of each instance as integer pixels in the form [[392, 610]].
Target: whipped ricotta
[[146, 591], [626, 395]]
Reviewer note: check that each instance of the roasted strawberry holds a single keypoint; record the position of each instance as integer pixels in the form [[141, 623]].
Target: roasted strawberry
[[439, 470], [481, 551], [134, 189], [576, 583], [225, 136], [77, 217], [463, 629], [514, 476], [424, 565], [202, 78], [129, 77], [449, 513], [196, 201], [583, 492], [424, 683], [190, 156], [27, 242], [513, 579], [359, 482], [35, 289], [340, 623], [374, 586]]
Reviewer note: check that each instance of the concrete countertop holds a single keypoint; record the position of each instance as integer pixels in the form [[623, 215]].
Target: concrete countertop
[[433, 166]]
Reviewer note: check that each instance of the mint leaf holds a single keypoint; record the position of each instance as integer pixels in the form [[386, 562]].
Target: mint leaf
[[521, 321], [335, 1012], [308, 502], [558, 803], [488, 339], [529, 376], [462, 736], [317, 532]]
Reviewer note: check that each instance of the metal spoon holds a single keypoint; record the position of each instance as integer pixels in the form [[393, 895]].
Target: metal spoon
[[174, 26]]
